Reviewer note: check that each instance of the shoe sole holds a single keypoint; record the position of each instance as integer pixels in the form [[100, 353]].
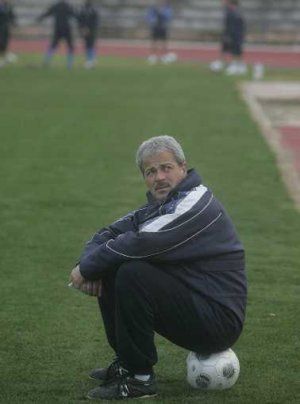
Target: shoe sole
[[96, 378], [125, 398], [147, 396]]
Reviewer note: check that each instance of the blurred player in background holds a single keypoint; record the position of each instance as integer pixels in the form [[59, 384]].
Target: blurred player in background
[[232, 40], [62, 13], [88, 20], [158, 18], [7, 20]]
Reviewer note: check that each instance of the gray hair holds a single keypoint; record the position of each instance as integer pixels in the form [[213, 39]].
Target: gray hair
[[156, 145]]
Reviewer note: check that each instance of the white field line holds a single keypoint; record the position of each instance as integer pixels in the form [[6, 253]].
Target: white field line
[[272, 137], [194, 45]]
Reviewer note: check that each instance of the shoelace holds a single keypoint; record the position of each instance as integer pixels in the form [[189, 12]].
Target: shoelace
[[124, 389], [115, 369]]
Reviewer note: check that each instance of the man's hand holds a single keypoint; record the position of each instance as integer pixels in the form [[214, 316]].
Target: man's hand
[[92, 288], [76, 278]]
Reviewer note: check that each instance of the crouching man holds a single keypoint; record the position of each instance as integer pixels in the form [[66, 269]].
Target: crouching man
[[175, 266]]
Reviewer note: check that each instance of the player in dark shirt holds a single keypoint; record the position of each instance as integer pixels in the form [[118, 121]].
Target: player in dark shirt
[[62, 13], [88, 20], [232, 40], [7, 19]]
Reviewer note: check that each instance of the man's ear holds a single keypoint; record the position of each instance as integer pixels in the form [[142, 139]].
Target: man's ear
[[184, 167]]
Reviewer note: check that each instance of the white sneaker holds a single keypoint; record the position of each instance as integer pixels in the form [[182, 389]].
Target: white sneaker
[[89, 64], [11, 57], [258, 71], [152, 59], [164, 59], [242, 68], [232, 69], [216, 66], [170, 57], [236, 68]]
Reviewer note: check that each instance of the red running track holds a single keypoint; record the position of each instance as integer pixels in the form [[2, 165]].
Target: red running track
[[290, 140], [273, 56]]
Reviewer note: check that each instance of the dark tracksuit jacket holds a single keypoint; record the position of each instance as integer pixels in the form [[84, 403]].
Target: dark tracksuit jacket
[[234, 26], [7, 19], [88, 18], [190, 231], [159, 19], [62, 12]]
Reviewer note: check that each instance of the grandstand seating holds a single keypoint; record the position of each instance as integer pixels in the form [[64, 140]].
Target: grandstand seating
[[267, 20]]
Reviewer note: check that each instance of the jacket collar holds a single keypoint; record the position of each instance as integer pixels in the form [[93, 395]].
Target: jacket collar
[[192, 180]]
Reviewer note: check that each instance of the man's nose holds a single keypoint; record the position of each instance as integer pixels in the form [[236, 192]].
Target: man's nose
[[160, 175]]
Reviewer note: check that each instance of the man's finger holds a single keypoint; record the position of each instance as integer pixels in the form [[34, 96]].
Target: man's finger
[[90, 287], [95, 288], [86, 287], [99, 289]]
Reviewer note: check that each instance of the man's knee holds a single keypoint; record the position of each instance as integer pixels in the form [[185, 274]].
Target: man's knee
[[131, 274]]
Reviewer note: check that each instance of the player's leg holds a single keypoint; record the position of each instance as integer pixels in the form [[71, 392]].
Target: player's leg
[[119, 380], [86, 48], [4, 35], [163, 36], [107, 307], [154, 47], [219, 64], [70, 49], [237, 52], [90, 40], [122, 303], [237, 65], [150, 298], [51, 48]]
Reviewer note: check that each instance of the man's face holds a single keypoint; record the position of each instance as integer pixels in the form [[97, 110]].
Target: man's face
[[162, 173]]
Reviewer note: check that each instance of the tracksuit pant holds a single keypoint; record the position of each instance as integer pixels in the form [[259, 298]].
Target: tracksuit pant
[[4, 39], [57, 37], [139, 299]]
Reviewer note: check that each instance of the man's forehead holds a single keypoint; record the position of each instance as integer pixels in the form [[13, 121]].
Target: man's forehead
[[164, 155], [150, 164]]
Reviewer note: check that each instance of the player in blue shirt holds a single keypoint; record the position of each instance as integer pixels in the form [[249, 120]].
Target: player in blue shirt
[[158, 18]]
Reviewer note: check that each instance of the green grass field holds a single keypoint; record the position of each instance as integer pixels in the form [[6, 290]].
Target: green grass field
[[68, 141]]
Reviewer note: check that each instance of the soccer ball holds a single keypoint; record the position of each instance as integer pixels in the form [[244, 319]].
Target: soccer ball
[[217, 371]]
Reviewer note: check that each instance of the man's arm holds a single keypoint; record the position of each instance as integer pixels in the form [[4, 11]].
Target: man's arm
[[168, 13], [49, 12], [12, 16], [80, 18], [105, 234], [151, 16], [195, 214], [95, 20], [120, 226]]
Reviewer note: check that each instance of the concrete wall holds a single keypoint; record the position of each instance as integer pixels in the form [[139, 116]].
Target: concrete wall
[[267, 20]]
